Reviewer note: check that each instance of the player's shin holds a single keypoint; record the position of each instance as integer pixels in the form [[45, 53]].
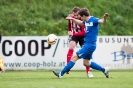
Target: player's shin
[[69, 55], [96, 66], [67, 67]]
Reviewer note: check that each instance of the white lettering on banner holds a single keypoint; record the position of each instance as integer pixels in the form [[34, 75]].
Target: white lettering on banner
[[33, 52]]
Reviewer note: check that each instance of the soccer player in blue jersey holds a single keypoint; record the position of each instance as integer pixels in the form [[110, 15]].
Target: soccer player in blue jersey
[[91, 28], [76, 35]]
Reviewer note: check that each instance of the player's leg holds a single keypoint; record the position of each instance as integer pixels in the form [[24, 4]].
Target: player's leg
[[67, 67], [89, 74], [72, 45], [94, 65], [81, 43], [87, 51]]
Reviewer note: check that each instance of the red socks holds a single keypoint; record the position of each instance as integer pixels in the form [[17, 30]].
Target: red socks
[[87, 69], [69, 55]]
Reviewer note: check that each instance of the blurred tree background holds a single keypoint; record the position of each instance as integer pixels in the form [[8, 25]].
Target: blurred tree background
[[42, 17]]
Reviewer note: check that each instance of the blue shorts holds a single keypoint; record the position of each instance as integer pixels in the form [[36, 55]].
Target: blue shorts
[[86, 51]]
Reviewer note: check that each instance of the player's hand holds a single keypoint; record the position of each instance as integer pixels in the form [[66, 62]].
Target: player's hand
[[70, 15], [106, 15], [70, 33], [69, 18]]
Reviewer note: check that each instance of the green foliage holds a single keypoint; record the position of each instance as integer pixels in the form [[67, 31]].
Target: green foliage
[[41, 17]]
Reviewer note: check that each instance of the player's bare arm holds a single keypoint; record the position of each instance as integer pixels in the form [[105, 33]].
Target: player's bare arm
[[104, 19], [79, 22]]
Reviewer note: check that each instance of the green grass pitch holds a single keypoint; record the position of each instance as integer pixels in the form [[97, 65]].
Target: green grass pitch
[[76, 79]]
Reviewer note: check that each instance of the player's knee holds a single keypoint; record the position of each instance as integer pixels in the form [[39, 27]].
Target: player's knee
[[74, 58], [72, 46], [86, 65]]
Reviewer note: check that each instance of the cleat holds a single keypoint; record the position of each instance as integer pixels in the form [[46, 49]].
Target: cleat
[[90, 75], [106, 72], [57, 74]]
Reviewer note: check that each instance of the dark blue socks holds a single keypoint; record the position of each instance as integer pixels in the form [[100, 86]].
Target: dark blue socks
[[97, 67]]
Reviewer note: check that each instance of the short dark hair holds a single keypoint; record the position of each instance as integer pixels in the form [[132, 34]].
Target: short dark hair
[[76, 9], [84, 11]]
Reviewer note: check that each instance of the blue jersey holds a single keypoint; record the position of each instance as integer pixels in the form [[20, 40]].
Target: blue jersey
[[91, 29]]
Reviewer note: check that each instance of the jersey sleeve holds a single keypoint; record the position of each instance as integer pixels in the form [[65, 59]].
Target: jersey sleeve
[[82, 33], [95, 20], [69, 25]]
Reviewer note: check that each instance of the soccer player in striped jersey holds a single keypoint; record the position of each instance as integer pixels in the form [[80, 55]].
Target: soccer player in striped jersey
[[76, 35], [91, 32]]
